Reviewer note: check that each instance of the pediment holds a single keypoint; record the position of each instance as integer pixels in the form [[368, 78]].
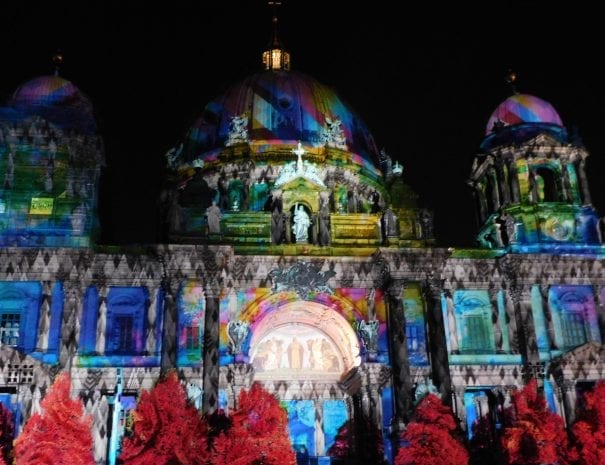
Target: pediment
[[302, 183], [582, 357]]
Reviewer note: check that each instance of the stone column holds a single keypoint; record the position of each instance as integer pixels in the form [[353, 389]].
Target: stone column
[[528, 345], [480, 202], [211, 349], [436, 337], [495, 188], [497, 324], [101, 321], [586, 200], [70, 322], [513, 178], [239, 376], [550, 328], [399, 352], [600, 311], [501, 177], [44, 317], [169, 326]]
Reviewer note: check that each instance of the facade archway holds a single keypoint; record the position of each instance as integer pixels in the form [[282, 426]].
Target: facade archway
[[303, 340]]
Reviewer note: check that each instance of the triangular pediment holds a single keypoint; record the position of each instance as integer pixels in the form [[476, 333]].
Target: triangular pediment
[[591, 353], [302, 183]]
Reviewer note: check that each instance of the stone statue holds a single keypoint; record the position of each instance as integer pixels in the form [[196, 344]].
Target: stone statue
[[369, 334], [237, 331], [389, 222], [277, 226], [300, 226], [324, 224], [426, 221], [238, 130], [213, 216]]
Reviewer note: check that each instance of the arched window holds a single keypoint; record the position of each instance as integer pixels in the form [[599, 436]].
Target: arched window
[[546, 185]]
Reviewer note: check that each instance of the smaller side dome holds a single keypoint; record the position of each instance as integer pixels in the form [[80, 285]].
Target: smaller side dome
[[57, 99], [522, 108]]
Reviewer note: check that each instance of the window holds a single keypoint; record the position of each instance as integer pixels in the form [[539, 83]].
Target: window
[[122, 337], [574, 333], [412, 336], [473, 312], [9, 328], [192, 334], [478, 333]]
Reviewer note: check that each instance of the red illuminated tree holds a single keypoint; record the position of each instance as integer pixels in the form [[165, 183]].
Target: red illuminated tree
[[589, 430], [60, 434], [6, 435], [259, 432], [432, 437], [533, 435], [167, 428]]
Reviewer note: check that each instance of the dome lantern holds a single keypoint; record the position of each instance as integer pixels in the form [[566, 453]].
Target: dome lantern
[[275, 57]]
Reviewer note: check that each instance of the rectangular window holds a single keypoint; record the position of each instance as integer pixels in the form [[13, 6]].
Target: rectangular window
[[478, 334], [574, 333], [412, 333], [9, 328], [193, 337], [123, 339]]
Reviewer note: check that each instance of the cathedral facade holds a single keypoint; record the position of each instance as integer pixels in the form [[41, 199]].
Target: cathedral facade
[[294, 254]]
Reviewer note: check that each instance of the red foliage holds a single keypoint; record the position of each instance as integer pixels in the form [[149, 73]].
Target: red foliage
[[60, 434], [259, 434], [167, 428], [589, 429], [534, 435], [6, 435], [431, 437]]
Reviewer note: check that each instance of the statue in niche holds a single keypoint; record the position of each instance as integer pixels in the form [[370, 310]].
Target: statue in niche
[[196, 191], [223, 192], [375, 201], [258, 195], [236, 193], [301, 224], [368, 331], [277, 227], [238, 130], [213, 217], [324, 223], [389, 223], [426, 222], [237, 331]]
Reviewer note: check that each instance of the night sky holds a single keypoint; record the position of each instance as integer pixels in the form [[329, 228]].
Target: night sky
[[425, 81]]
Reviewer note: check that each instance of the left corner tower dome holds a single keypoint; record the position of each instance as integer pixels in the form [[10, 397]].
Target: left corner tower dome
[[281, 107], [57, 99], [50, 161]]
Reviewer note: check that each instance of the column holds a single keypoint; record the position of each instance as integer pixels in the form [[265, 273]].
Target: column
[[586, 200], [436, 338], [550, 328], [501, 177], [101, 321], [497, 324], [494, 184], [399, 352], [514, 180], [169, 326], [44, 317], [600, 311], [528, 344], [211, 349], [70, 322]]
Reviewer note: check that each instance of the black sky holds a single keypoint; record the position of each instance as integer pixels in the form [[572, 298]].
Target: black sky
[[425, 81]]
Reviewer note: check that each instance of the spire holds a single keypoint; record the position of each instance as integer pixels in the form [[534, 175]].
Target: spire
[[57, 60], [511, 79], [275, 57]]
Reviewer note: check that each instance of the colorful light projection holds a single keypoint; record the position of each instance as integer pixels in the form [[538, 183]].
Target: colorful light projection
[[415, 325], [191, 304], [255, 305], [574, 316], [114, 332], [19, 308], [523, 108], [284, 107], [306, 429]]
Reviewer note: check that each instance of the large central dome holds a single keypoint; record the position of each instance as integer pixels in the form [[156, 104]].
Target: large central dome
[[280, 107]]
